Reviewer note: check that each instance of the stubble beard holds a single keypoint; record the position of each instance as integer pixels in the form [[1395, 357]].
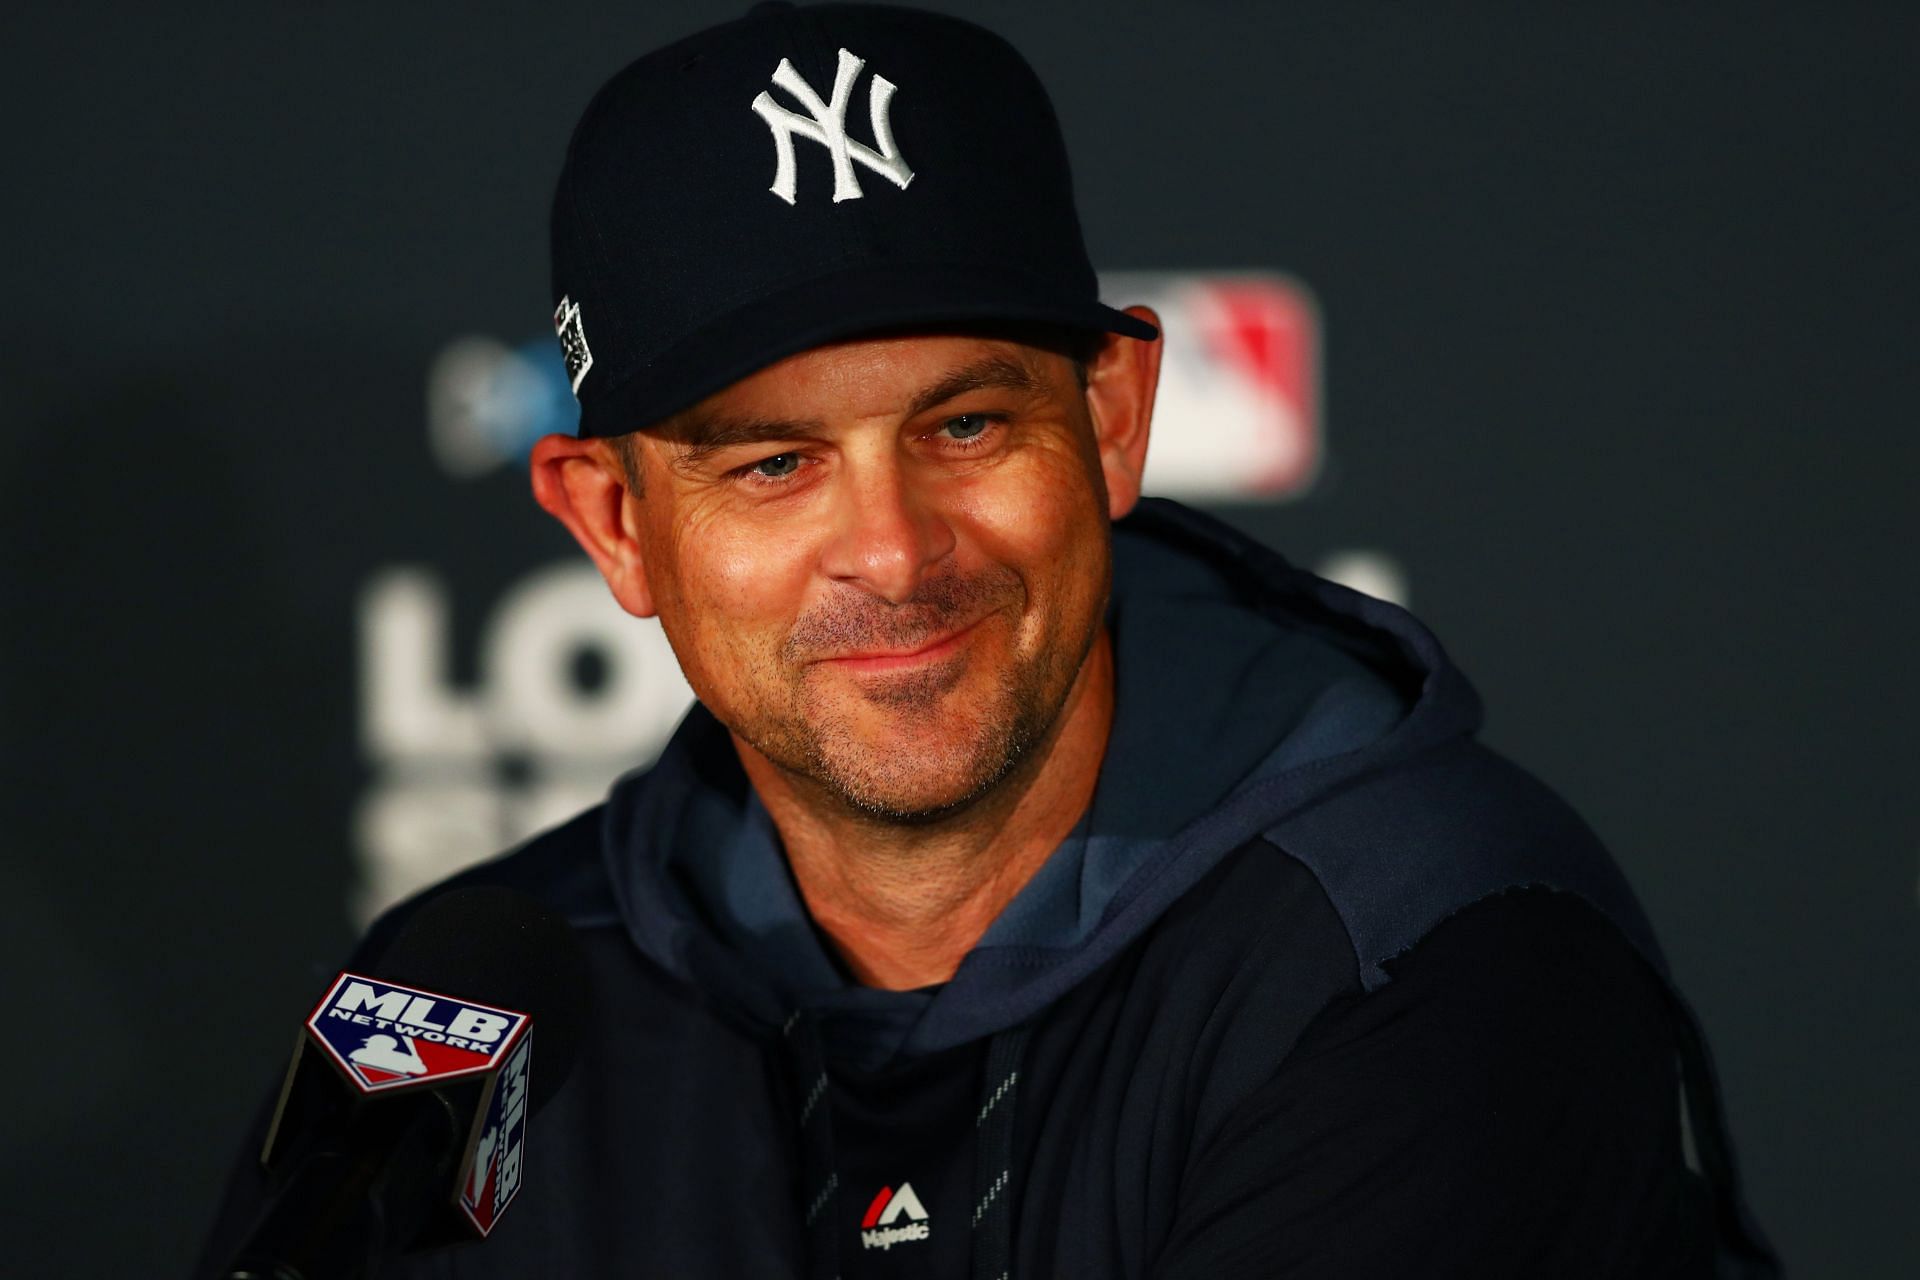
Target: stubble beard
[[949, 758]]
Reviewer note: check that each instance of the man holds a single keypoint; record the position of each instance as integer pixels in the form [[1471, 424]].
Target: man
[[1049, 882]]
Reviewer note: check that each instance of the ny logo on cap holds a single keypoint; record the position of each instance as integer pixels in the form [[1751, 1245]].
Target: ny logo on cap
[[828, 127]]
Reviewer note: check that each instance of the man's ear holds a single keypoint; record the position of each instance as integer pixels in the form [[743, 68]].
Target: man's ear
[[581, 484], [1121, 380]]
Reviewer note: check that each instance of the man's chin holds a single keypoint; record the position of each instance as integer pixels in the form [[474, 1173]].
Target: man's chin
[[912, 748], [913, 775], [909, 806]]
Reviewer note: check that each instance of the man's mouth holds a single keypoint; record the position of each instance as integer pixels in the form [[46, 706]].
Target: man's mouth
[[880, 660]]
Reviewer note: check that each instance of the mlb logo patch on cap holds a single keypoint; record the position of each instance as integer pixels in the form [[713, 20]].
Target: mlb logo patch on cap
[[385, 1037]]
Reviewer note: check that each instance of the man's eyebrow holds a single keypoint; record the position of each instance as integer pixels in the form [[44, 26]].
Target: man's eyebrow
[[700, 436], [994, 372], [703, 435]]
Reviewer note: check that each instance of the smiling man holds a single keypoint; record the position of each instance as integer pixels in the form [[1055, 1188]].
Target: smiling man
[[884, 566], [1049, 881]]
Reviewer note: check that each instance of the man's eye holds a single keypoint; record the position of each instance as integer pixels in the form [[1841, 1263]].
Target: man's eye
[[778, 466], [966, 426]]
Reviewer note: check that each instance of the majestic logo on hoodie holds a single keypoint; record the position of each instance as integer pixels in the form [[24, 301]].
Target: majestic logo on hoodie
[[878, 1227]]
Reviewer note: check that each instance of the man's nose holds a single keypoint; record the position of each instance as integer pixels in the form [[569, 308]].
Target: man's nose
[[888, 536]]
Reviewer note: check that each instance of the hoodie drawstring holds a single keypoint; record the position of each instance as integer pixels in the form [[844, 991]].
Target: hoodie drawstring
[[993, 1157], [818, 1179]]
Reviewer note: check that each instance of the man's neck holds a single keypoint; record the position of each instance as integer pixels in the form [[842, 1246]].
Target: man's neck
[[904, 904]]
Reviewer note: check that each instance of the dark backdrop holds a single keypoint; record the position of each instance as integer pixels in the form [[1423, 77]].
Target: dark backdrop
[[1618, 304]]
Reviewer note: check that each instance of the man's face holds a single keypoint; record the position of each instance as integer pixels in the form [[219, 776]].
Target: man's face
[[882, 563]]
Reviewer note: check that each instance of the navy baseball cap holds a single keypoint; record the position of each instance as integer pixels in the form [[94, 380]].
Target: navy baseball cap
[[800, 176]]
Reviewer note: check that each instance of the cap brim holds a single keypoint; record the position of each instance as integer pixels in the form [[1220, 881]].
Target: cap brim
[[831, 309]]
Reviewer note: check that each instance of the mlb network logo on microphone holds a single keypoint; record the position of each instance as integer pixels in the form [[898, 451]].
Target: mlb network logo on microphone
[[386, 1037], [492, 1173]]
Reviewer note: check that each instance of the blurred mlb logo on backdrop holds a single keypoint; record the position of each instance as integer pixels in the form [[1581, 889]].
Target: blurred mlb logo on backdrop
[[1238, 416], [1238, 411]]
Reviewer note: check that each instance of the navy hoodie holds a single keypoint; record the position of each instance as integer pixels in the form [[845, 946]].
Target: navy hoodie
[[1317, 985]]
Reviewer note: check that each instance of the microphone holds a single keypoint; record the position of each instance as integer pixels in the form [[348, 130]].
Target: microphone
[[402, 1120]]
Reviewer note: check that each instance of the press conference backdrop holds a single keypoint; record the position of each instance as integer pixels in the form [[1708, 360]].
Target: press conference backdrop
[[1585, 332]]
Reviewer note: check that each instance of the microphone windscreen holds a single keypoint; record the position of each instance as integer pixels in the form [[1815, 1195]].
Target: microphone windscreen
[[500, 947]]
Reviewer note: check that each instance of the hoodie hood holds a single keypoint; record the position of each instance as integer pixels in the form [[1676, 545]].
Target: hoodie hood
[[1246, 689]]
